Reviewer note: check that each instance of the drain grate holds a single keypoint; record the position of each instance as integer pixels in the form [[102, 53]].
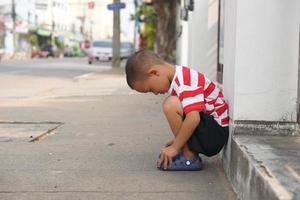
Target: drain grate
[[27, 131]]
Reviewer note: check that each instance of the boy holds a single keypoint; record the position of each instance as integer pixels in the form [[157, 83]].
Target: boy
[[196, 111]]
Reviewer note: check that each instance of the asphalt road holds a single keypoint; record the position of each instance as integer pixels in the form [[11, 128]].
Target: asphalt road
[[52, 67]]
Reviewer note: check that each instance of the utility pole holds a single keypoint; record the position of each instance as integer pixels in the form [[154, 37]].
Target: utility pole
[[91, 30], [135, 23], [116, 37], [52, 24], [13, 15]]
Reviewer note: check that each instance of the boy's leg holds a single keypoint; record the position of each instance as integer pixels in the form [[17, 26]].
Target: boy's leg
[[174, 113]]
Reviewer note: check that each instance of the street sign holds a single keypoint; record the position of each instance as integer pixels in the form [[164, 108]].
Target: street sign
[[116, 6], [91, 5]]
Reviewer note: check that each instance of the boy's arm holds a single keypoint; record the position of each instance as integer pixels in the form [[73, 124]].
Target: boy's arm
[[191, 121], [187, 128]]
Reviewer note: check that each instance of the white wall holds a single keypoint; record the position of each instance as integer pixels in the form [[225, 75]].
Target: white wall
[[203, 37], [23, 7], [230, 10], [199, 38], [61, 15], [182, 50], [261, 50]]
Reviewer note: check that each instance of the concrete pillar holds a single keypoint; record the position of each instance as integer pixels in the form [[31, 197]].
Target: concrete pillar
[[261, 51]]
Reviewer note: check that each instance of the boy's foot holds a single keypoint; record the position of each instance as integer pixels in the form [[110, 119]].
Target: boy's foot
[[180, 163]]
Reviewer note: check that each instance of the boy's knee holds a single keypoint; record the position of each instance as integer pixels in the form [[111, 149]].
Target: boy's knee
[[172, 104]]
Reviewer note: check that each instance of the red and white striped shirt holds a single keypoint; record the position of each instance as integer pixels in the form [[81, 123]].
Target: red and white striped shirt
[[198, 93]]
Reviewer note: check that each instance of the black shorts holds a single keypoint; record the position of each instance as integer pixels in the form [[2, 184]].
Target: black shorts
[[209, 137]]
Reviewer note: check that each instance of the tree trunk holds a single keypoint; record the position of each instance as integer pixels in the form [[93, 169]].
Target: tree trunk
[[165, 45]]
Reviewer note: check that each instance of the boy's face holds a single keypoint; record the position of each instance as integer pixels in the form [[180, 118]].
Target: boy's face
[[155, 82]]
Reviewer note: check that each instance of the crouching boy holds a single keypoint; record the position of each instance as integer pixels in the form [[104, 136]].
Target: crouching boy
[[195, 109]]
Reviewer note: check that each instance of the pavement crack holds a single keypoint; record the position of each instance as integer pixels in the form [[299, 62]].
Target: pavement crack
[[98, 191], [24, 122], [44, 135], [22, 130]]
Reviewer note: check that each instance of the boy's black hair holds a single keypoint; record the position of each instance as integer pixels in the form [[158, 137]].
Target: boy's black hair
[[138, 64]]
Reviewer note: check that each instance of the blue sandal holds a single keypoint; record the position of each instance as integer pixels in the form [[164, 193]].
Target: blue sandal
[[180, 163]]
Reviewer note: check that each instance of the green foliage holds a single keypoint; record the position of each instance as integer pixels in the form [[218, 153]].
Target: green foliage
[[76, 50], [60, 45], [34, 40], [147, 15], [150, 33]]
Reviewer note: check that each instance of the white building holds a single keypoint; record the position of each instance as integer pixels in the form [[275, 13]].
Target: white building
[[81, 17], [22, 10], [43, 16], [53, 15]]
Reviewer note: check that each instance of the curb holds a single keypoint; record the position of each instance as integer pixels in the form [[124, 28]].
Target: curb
[[250, 178]]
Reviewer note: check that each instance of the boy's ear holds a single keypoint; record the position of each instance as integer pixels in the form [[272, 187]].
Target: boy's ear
[[153, 71]]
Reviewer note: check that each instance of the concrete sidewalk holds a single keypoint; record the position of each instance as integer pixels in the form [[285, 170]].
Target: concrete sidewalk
[[106, 149]]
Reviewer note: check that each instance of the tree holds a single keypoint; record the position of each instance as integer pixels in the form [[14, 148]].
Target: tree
[[165, 44]]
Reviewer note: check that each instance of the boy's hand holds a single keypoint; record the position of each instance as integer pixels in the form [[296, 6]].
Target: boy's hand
[[169, 143], [166, 156]]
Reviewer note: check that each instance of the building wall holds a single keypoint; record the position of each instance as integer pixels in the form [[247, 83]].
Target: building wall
[[22, 8], [61, 16], [198, 42], [261, 51], [43, 14], [53, 10]]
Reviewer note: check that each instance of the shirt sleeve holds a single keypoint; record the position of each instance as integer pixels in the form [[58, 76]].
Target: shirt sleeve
[[189, 88]]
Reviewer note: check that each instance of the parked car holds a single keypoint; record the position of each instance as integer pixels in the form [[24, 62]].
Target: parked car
[[126, 49], [1, 53], [102, 50], [38, 54], [48, 50], [69, 52]]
